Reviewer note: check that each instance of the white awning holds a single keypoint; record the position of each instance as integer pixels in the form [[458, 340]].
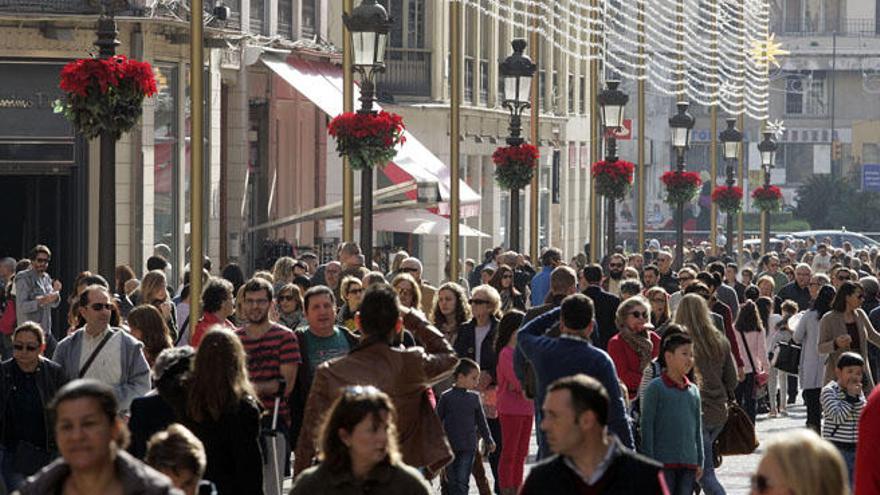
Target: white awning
[[321, 83], [410, 221]]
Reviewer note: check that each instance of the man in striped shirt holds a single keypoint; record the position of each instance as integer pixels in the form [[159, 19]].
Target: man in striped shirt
[[272, 349], [842, 404]]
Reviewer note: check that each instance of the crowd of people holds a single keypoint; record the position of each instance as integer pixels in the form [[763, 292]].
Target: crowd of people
[[354, 380]]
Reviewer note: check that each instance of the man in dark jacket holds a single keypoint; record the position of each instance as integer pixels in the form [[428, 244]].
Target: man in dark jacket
[[588, 459], [668, 279], [798, 291], [606, 304]]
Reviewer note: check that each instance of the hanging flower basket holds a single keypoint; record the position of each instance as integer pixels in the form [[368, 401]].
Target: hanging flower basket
[[105, 94], [767, 198], [681, 187], [728, 198], [613, 179], [515, 165], [367, 139]]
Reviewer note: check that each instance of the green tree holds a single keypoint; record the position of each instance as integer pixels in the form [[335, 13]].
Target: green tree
[[823, 200]]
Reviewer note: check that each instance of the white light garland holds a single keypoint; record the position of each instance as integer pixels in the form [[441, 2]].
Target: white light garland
[[696, 50]]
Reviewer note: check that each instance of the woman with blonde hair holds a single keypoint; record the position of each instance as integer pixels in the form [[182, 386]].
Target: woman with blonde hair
[[635, 344], [154, 290], [352, 290], [716, 378], [800, 463], [660, 312], [766, 286], [408, 291], [222, 411], [282, 272]]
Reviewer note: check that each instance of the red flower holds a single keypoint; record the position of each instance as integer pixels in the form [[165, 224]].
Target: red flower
[[613, 179], [515, 165], [367, 139], [728, 198], [681, 187], [767, 193]]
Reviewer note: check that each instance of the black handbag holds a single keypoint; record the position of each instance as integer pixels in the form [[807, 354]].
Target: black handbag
[[788, 357], [29, 458]]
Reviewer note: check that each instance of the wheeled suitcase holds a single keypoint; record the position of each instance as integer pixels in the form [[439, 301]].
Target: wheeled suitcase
[[274, 441]]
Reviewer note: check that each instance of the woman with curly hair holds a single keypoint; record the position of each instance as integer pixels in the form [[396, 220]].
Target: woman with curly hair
[[408, 291], [502, 281], [451, 310]]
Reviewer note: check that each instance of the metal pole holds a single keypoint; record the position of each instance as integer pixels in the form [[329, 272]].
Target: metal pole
[[611, 157], [731, 181], [196, 73], [679, 223], [765, 218], [454, 133], [640, 181], [107, 44], [741, 122], [347, 106], [514, 235], [594, 138], [534, 127], [835, 164], [713, 164], [367, 214]]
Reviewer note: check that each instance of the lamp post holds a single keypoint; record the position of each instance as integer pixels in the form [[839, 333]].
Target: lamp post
[[106, 44], [368, 26], [612, 103], [767, 149], [730, 139], [517, 71], [680, 124]]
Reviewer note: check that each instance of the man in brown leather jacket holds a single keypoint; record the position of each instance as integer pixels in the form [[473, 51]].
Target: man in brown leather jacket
[[404, 374]]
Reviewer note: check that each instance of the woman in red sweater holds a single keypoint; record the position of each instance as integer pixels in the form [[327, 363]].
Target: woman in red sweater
[[635, 345]]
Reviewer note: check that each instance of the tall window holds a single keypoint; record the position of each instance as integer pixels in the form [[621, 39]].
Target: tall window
[[166, 156], [809, 16], [806, 95], [309, 18], [408, 30], [285, 18], [258, 16]]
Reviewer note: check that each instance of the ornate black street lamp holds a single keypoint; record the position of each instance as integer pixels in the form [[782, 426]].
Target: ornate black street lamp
[[612, 103], [368, 26], [730, 140], [517, 71], [767, 149], [680, 124]]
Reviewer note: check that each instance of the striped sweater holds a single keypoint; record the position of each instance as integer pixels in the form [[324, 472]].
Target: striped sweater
[[840, 412]]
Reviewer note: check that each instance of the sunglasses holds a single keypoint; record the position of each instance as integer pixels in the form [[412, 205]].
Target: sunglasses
[[22, 347], [760, 483], [409, 270], [507, 276], [479, 301], [158, 302], [285, 298], [615, 265], [101, 306], [639, 314]]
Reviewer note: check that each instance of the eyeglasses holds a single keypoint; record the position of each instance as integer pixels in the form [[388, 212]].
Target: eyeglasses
[[615, 265], [507, 276], [639, 314], [760, 483], [409, 270], [479, 301], [22, 347], [285, 298], [101, 306]]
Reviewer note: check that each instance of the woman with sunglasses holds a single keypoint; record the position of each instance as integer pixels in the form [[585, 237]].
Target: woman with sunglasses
[[28, 382], [351, 289], [800, 463], [502, 281], [847, 328], [635, 344], [660, 314], [289, 306], [408, 291]]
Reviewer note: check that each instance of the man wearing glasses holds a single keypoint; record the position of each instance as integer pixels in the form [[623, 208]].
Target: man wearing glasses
[[668, 280], [770, 262], [36, 294], [616, 263], [104, 353], [414, 267]]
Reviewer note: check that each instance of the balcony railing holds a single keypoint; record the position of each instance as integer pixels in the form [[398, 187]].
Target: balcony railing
[[407, 72], [49, 6], [130, 8], [848, 26]]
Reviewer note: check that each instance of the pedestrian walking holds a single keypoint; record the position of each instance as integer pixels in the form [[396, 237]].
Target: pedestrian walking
[[511, 298], [800, 463], [588, 459], [750, 337], [842, 402], [671, 426], [427, 293], [867, 474], [605, 303], [847, 328], [218, 305], [635, 345], [28, 382], [289, 306], [781, 333], [451, 311], [660, 314], [223, 412], [351, 289], [540, 285], [91, 439], [102, 352], [358, 450], [177, 453], [461, 412], [405, 374], [408, 291], [37, 294], [154, 291], [812, 363], [515, 410], [146, 324]]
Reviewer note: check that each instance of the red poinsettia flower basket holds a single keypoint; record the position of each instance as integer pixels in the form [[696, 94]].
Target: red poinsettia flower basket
[[367, 139], [728, 198], [515, 165], [613, 179], [767, 198], [681, 187], [105, 94]]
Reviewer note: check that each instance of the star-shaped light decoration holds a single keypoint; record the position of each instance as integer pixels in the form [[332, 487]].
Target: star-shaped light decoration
[[777, 127], [765, 52]]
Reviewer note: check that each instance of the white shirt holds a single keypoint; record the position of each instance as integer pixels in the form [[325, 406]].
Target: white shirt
[[107, 366], [480, 334]]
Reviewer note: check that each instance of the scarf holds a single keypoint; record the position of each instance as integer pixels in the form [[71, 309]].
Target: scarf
[[639, 342]]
